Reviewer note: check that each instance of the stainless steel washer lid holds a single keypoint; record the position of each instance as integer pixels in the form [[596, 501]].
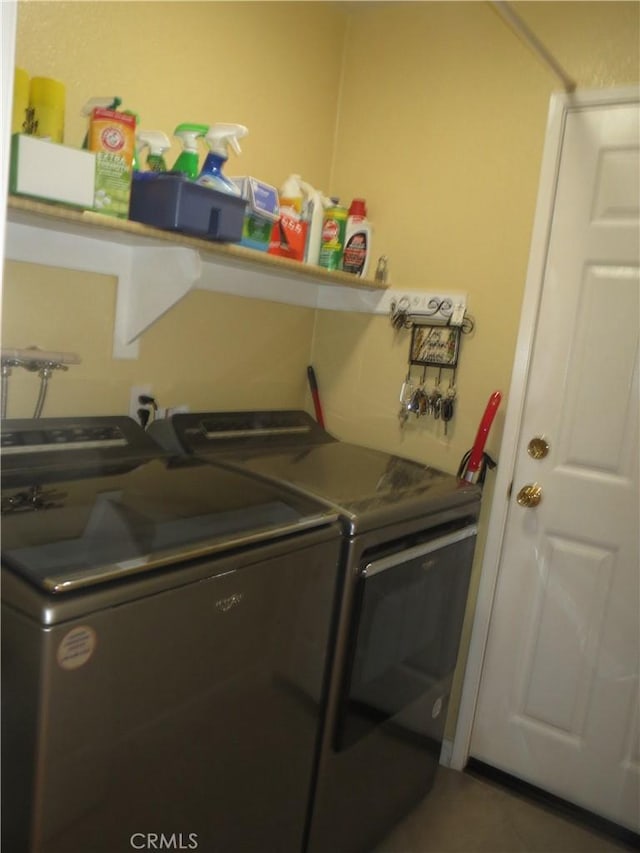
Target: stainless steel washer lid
[[74, 532]]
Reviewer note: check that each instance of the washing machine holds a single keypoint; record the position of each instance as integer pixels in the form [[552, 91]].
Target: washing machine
[[165, 627]]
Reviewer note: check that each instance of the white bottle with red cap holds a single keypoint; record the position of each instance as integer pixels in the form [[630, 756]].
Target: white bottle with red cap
[[357, 243]]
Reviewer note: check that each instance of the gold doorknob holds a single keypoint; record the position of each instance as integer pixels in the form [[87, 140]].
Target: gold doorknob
[[538, 447], [530, 495]]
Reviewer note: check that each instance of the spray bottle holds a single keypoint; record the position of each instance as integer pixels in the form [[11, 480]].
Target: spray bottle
[[188, 161], [219, 137], [136, 165], [157, 142], [292, 197]]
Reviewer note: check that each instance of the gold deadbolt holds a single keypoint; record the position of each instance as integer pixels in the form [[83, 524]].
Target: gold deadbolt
[[530, 495], [537, 448]]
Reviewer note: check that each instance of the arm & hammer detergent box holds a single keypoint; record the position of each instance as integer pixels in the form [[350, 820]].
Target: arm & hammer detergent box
[[112, 136]]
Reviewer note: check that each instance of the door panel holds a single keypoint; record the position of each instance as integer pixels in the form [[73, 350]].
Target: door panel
[[594, 432], [558, 695], [564, 638]]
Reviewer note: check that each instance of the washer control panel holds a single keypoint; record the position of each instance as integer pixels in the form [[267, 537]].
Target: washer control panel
[[45, 448], [37, 439]]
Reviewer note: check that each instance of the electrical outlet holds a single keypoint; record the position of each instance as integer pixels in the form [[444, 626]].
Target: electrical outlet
[[134, 403], [171, 410]]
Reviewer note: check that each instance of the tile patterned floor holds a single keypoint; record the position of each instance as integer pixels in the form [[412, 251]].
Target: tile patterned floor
[[466, 814]]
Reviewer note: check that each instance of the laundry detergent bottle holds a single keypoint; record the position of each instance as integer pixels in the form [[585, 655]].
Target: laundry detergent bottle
[[357, 243], [220, 137]]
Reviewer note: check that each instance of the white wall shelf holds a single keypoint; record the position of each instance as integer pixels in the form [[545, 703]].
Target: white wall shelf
[[155, 269]]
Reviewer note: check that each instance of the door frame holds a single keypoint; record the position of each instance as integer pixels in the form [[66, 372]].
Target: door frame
[[561, 104], [8, 23]]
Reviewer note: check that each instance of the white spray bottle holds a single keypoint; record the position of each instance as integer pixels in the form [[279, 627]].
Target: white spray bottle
[[313, 212], [157, 142], [219, 138]]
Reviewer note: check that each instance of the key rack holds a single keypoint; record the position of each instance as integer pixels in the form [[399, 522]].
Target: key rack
[[412, 310], [437, 325]]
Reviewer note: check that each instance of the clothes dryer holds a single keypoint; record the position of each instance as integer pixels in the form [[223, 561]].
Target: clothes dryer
[[409, 534]]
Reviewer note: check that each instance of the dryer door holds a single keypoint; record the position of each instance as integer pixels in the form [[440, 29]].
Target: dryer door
[[405, 632]]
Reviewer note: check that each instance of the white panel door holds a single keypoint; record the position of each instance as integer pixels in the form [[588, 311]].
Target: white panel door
[[558, 699]]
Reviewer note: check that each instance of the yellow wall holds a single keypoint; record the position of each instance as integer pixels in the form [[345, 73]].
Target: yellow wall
[[210, 351], [434, 112], [441, 127], [253, 63]]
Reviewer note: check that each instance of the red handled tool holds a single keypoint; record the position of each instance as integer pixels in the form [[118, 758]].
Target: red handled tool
[[472, 465], [316, 395]]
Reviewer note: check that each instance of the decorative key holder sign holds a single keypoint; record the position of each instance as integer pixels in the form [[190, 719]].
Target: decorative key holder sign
[[433, 345]]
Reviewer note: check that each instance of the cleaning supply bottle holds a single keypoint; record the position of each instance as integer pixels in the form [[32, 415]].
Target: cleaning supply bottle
[[357, 244], [157, 142], [188, 162], [219, 137], [20, 101], [334, 227], [313, 212], [136, 165], [47, 99], [292, 197]]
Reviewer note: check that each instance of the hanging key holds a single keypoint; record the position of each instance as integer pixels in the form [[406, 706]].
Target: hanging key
[[446, 410], [407, 389], [406, 395], [414, 405], [435, 403]]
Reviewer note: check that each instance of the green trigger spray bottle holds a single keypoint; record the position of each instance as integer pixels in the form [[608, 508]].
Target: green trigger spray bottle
[[188, 161]]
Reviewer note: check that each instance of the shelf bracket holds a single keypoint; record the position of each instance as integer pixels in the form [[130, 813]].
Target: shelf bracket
[[154, 280], [150, 279]]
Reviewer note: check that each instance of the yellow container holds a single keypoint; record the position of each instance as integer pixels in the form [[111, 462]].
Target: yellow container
[[47, 100], [20, 100]]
